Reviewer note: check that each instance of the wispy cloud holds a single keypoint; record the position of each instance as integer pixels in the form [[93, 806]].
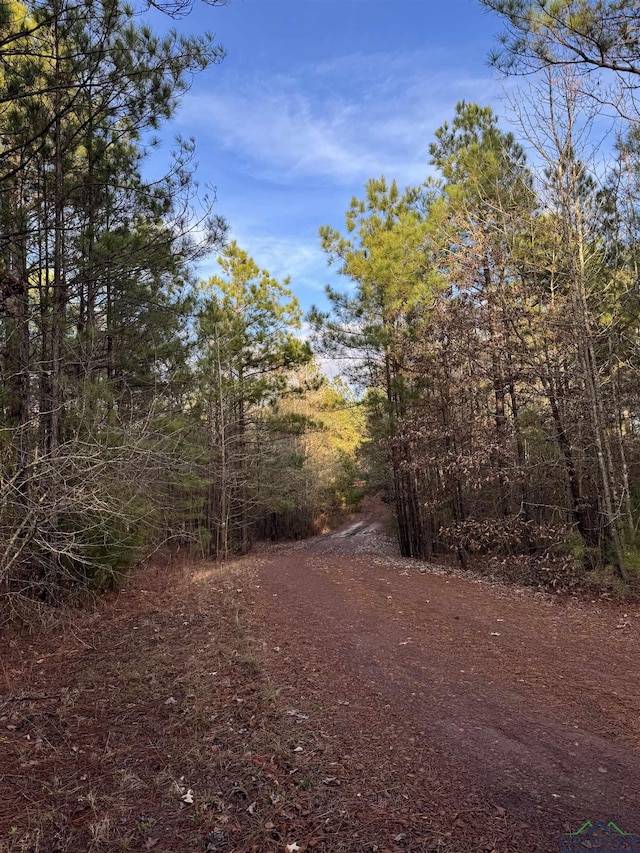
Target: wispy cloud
[[342, 121], [292, 149], [285, 257]]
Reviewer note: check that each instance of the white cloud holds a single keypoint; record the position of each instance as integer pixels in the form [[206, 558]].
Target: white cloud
[[345, 120], [283, 135], [290, 150], [285, 257]]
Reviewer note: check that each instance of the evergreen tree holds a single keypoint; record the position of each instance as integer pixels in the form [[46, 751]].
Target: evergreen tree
[[247, 339], [93, 262], [385, 254]]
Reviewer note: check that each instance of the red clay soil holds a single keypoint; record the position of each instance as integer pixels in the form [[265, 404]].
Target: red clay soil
[[476, 698], [326, 695]]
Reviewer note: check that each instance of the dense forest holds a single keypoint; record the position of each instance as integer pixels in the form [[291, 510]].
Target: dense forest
[[139, 406], [492, 321], [490, 325]]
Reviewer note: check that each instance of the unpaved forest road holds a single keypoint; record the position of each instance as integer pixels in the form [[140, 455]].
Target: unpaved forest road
[[460, 691], [323, 695]]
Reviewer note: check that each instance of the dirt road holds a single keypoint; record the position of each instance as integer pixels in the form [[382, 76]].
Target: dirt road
[[324, 695], [470, 698]]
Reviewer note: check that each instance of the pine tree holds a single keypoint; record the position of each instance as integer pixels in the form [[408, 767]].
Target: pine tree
[[247, 338], [385, 254]]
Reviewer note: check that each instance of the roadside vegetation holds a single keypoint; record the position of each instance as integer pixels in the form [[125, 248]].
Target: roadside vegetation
[[138, 406], [492, 317], [490, 327]]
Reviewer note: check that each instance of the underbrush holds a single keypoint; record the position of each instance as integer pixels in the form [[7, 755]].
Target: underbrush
[[552, 572], [555, 558], [560, 574]]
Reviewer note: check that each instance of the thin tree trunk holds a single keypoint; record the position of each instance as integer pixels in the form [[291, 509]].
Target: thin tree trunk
[[497, 378]]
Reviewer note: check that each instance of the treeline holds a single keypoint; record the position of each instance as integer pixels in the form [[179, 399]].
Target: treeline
[[136, 407], [493, 324], [494, 327]]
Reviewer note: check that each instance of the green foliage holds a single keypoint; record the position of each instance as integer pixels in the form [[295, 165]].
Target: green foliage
[[94, 272], [587, 34], [349, 486], [248, 355], [384, 255], [246, 328], [103, 549]]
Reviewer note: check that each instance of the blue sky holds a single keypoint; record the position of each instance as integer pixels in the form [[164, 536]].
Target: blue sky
[[317, 96]]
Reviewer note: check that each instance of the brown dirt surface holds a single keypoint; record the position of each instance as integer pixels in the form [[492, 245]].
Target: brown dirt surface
[[322, 695]]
